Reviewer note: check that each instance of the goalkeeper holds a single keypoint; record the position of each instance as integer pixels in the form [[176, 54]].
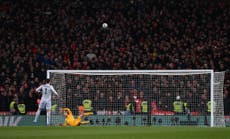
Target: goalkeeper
[[71, 121]]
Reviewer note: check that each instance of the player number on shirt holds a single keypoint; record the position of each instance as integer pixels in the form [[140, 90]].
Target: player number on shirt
[[45, 90]]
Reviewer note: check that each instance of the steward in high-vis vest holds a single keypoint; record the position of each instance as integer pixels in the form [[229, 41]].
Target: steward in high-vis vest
[[17, 108], [87, 104], [22, 108], [54, 108], [13, 107], [144, 106], [178, 106], [209, 106], [129, 109]]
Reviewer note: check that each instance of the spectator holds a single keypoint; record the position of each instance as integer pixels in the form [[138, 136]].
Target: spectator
[[119, 102], [141, 35]]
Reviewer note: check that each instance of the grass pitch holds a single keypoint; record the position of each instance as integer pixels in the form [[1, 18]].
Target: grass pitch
[[111, 132]]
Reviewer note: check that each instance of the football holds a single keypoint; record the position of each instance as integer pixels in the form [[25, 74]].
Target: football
[[104, 25]]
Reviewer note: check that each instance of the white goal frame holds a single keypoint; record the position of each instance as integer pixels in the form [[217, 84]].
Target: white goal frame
[[155, 72]]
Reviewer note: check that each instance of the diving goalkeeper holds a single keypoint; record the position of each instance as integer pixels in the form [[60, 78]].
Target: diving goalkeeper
[[71, 121]]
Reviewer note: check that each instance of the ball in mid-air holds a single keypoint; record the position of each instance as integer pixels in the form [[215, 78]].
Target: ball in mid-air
[[104, 25]]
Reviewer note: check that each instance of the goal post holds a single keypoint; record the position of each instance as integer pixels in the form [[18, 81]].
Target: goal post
[[218, 104], [141, 97]]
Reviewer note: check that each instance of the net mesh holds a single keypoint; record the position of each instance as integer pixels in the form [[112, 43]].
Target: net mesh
[[219, 120], [115, 98]]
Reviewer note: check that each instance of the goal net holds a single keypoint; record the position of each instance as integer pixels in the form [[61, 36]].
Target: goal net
[[140, 97]]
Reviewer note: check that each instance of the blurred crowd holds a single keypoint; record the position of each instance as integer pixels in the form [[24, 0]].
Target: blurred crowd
[[161, 34], [114, 93]]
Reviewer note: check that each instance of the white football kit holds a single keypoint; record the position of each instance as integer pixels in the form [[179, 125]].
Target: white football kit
[[46, 91]]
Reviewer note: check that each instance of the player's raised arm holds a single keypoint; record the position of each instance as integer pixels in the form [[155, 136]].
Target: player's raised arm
[[53, 90], [38, 89]]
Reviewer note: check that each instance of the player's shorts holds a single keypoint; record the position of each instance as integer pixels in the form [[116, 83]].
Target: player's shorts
[[45, 104]]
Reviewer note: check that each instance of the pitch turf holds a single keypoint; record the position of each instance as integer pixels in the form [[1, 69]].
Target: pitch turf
[[120, 132]]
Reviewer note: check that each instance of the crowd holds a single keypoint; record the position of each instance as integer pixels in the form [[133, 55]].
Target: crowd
[[161, 34], [115, 93]]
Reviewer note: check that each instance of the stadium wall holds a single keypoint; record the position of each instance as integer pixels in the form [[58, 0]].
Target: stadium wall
[[26, 120]]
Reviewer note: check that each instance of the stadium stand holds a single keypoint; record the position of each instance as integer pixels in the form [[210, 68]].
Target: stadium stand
[[39, 35]]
